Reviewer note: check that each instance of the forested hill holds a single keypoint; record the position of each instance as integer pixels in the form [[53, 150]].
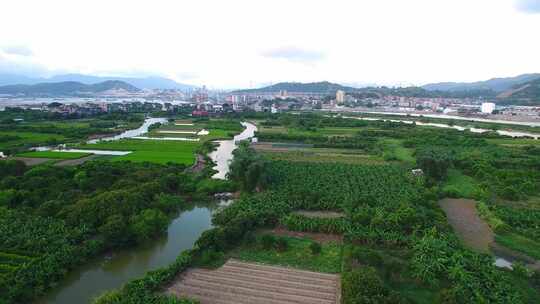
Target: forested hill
[[495, 84], [312, 87], [67, 88], [329, 88], [524, 94]]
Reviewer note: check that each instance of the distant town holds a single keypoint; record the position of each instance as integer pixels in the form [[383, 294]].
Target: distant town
[[204, 102]]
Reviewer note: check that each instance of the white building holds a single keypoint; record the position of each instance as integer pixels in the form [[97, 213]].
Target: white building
[[340, 96], [488, 107]]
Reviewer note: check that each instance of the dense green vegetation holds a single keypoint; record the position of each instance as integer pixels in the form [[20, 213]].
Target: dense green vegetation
[[22, 129], [397, 244], [55, 218]]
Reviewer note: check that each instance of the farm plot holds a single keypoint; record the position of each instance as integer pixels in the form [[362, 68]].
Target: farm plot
[[150, 150], [197, 130], [306, 153], [240, 282]]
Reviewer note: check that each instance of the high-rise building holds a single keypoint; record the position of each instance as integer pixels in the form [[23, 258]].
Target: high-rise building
[[340, 96], [488, 107]]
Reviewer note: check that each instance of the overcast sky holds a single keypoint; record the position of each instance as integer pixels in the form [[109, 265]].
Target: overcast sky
[[233, 43]]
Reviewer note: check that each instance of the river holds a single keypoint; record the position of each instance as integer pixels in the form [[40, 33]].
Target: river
[[111, 271], [459, 128], [223, 154]]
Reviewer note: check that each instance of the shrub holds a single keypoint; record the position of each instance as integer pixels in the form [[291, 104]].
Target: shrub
[[282, 244], [362, 285], [367, 256], [249, 238], [520, 270], [535, 278], [315, 248], [211, 258], [267, 241]]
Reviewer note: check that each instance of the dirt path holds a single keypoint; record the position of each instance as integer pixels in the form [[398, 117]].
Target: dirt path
[[467, 224], [75, 162], [242, 283]]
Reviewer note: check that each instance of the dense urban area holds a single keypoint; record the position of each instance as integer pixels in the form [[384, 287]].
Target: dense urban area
[[291, 193]]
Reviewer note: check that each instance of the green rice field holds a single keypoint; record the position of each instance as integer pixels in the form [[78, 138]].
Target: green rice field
[[156, 151]]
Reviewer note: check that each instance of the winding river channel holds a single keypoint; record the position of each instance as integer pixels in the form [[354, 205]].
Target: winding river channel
[[110, 271]]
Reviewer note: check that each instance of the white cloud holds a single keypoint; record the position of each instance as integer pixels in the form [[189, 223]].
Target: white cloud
[[294, 54], [237, 42], [19, 50], [528, 6]]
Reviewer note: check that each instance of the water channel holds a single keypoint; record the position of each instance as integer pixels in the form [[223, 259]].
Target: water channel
[[459, 128], [112, 270]]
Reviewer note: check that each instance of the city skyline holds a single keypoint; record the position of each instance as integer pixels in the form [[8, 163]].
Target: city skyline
[[240, 44]]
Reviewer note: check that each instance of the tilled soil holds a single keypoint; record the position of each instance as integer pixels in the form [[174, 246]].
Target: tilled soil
[[242, 283]]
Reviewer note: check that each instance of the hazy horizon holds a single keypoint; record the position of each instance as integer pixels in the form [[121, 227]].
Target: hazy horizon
[[243, 44]]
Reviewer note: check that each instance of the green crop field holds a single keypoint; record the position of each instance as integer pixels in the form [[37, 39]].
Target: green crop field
[[53, 154], [157, 151]]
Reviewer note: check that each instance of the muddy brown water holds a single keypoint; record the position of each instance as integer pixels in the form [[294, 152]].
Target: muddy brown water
[[471, 229]]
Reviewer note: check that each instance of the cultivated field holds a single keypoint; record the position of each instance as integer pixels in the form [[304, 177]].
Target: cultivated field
[[239, 282], [158, 151]]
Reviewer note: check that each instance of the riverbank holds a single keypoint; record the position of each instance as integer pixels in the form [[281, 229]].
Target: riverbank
[[114, 269]]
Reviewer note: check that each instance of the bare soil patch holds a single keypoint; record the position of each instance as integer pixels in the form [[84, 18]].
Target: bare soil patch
[[199, 164], [471, 229], [240, 282]]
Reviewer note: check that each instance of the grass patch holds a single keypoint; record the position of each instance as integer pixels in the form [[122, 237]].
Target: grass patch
[[298, 255], [519, 243], [394, 150], [458, 185], [54, 154]]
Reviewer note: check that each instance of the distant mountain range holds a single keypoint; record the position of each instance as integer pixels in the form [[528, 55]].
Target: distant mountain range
[[66, 88], [527, 93], [323, 87], [494, 84], [142, 83]]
